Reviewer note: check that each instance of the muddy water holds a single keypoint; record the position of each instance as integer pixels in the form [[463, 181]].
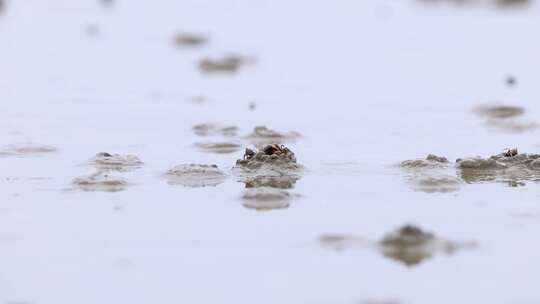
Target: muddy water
[[376, 83]]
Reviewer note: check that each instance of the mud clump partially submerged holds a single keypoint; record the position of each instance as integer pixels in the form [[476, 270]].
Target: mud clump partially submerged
[[506, 166], [22, 150], [115, 162], [279, 182], [271, 160], [268, 174], [195, 175], [219, 147], [504, 118], [262, 136], [190, 40], [226, 64], [100, 182], [499, 111], [209, 129], [409, 244], [427, 175], [431, 161], [264, 199]]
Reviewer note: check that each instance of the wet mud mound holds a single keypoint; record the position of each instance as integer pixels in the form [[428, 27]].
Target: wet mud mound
[[22, 150], [268, 174], [262, 135], [504, 118], [100, 182], [265, 198], [279, 182], [190, 40], [409, 245], [431, 161], [104, 161], [431, 175], [509, 166], [195, 175], [218, 147], [272, 160], [225, 65], [210, 129]]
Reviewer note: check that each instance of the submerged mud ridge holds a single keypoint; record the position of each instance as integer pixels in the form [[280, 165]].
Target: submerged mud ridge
[[409, 245], [100, 182], [265, 198], [190, 40], [436, 184], [434, 174], [27, 150], [272, 160], [280, 182], [226, 64], [507, 166], [195, 175], [504, 118], [262, 136], [429, 175], [115, 162], [208, 129], [219, 147], [431, 161]]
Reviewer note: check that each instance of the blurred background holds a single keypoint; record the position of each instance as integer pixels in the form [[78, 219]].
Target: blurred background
[[352, 87]]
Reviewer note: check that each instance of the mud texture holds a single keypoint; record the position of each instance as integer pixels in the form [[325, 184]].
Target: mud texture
[[104, 161], [265, 199], [209, 129], [499, 111], [22, 150], [263, 136], [100, 182], [431, 161], [226, 64], [272, 160], [195, 175], [509, 166], [190, 40], [504, 118], [408, 245], [411, 245], [219, 147], [279, 182], [428, 175], [436, 184]]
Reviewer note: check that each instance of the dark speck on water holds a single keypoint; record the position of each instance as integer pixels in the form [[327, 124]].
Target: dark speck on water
[[511, 81]]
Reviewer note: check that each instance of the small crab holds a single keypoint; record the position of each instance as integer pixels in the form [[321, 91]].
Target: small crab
[[510, 152], [274, 149], [249, 153]]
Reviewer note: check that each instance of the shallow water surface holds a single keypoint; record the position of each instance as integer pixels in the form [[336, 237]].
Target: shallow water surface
[[368, 84]]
